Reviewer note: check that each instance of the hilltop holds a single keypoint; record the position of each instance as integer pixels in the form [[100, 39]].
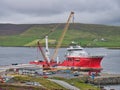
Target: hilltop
[[84, 34], [13, 29]]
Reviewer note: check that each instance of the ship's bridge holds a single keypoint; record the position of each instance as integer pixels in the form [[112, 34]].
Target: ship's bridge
[[76, 51]]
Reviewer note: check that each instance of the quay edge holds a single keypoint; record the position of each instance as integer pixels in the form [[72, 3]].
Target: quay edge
[[108, 79]]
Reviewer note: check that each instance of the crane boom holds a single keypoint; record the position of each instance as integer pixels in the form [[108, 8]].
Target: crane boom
[[62, 36], [45, 57], [42, 52]]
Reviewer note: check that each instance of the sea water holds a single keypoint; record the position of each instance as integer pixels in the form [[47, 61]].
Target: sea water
[[110, 62]]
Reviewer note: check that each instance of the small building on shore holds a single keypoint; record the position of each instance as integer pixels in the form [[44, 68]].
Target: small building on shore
[[26, 69], [32, 71]]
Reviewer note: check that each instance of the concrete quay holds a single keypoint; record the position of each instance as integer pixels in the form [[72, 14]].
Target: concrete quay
[[106, 79]]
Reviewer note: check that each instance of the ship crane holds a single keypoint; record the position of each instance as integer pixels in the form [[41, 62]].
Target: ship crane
[[62, 37], [41, 49], [45, 54], [50, 62], [42, 52]]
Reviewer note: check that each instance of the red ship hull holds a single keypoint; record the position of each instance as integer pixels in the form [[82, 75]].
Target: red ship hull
[[90, 62], [43, 63]]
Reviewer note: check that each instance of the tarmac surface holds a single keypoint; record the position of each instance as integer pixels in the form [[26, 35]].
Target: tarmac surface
[[65, 84]]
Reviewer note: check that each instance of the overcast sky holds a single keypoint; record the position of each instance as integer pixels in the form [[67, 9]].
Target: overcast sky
[[57, 11]]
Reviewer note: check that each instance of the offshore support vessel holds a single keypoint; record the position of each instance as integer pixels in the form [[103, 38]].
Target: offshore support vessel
[[76, 56]]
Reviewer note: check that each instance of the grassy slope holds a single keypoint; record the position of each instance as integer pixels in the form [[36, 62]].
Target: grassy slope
[[86, 34], [78, 82], [49, 85], [44, 82]]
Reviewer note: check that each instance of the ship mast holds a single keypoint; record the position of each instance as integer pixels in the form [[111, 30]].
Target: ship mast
[[47, 53]]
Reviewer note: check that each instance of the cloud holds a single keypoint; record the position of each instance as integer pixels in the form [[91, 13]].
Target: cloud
[[52, 11]]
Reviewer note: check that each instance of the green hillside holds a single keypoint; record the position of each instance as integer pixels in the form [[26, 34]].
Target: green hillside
[[84, 34]]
